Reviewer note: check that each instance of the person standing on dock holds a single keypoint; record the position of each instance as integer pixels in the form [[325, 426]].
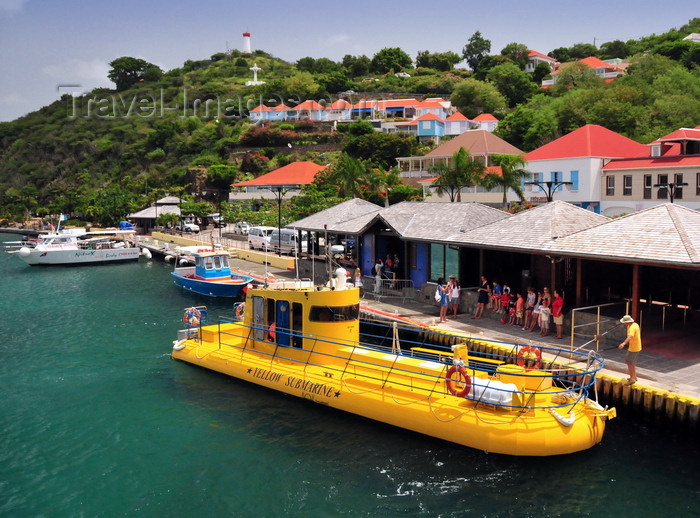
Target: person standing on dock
[[634, 339]]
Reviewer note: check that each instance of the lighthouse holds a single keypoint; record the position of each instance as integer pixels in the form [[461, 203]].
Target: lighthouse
[[246, 43]]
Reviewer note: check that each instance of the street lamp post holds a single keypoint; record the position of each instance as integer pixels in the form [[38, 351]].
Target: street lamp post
[[279, 191], [549, 187], [670, 188]]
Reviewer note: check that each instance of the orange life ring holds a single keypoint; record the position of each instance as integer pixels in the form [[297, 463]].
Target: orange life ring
[[192, 317], [271, 332], [451, 385], [239, 310], [528, 353]]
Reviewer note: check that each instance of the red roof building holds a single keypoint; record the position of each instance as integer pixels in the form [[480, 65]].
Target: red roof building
[[570, 167], [670, 172], [289, 178]]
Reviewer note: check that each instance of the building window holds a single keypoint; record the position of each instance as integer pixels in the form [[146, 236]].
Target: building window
[[627, 185], [647, 186], [444, 261], [574, 180], [556, 176], [610, 185], [678, 191], [662, 193]]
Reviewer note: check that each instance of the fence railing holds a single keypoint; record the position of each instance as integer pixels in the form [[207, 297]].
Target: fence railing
[[385, 288]]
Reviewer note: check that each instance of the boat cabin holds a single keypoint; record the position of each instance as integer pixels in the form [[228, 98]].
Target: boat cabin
[[212, 265], [306, 317]]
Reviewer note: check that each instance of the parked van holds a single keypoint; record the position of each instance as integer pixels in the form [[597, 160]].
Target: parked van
[[285, 241], [259, 237]]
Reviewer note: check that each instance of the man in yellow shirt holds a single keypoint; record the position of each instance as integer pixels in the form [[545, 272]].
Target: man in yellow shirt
[[634, 339]]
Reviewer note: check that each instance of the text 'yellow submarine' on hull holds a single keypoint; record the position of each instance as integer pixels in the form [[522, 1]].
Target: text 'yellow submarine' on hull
[[305, 341]]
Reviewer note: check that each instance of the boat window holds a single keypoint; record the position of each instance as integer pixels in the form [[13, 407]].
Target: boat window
[[224, 261], [334, 313], [207, 263], [217, 262], [296, 324]]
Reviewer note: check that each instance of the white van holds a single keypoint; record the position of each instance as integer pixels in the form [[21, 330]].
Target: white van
[[285, 241], [259, 237]]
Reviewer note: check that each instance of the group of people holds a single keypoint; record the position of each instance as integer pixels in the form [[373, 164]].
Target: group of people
[[449, 297], [386, 269], [530, 310], [534, 309]]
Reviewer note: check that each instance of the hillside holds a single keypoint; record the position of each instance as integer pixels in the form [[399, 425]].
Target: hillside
[[186, 130]]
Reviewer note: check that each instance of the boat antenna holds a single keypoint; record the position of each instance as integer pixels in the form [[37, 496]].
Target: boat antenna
[[327, 250], [267, 264]]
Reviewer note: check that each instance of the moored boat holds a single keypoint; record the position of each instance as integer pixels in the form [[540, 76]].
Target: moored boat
[[305, 341], [211, 275], [73, 247]]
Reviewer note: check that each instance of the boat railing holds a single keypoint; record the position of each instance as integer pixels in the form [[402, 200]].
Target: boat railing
[[566, 383], [486, 352]]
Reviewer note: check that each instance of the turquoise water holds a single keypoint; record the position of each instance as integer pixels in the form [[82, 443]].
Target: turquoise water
[[97, 420]]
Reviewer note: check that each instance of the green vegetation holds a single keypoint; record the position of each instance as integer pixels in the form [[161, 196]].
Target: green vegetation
[[186, 132]]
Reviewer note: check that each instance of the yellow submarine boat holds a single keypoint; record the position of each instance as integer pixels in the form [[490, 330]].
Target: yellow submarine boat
[[304, 340]]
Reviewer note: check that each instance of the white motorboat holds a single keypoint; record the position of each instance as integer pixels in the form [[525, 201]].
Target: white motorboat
[[80, 247]]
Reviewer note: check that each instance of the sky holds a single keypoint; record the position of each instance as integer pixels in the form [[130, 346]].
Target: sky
[[48, 43]]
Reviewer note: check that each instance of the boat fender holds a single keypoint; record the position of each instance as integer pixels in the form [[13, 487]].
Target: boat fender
[[192, 317], [451, 386], [239, 310], [566, 421], [271, 332], [179, 345], [530, 352]]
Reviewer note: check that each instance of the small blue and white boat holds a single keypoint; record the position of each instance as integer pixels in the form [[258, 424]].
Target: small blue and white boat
[[211, 275]]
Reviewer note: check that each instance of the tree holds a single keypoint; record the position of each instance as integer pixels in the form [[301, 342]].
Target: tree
[[512, 173], [302, 84], [513, 83], [575, 75], [540, 73], [487, 63], [474, 97], [380, 149], [614, 49], [356, 66], [443, 61], [476, 48], [127, 71], [518, 52], [389, 59], [348, 174], [462, 172]]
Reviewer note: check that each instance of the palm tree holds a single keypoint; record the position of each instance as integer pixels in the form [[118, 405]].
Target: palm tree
[[463, 172], [512, 174], [348, 175], [380, 182]]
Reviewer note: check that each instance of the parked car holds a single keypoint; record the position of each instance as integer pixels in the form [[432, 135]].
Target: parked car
[[242, 227], [286, 241], [188, 227], [218, 220], [259, 237]]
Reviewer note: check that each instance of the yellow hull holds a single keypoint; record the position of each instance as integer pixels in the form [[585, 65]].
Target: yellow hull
[[401, 390]]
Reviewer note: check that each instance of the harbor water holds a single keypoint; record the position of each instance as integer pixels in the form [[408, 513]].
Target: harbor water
[[98, 420]]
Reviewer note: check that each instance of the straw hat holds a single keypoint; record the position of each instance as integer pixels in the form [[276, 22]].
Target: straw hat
[[627, 320]]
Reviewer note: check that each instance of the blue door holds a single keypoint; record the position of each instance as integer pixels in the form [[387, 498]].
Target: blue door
[[282, 314]]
